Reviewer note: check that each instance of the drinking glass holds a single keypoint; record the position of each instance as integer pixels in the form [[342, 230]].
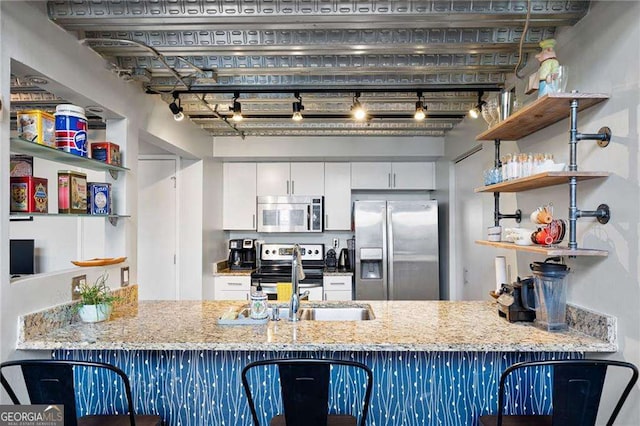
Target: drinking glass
[[561, 78]]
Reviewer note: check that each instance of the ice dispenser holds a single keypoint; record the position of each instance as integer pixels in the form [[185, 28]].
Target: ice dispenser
[[371, 263]]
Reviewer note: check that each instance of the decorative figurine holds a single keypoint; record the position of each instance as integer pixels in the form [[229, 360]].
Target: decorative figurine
[[549, 65]]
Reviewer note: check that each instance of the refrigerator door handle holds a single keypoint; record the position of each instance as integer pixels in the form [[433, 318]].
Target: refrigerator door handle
[[390, 249]]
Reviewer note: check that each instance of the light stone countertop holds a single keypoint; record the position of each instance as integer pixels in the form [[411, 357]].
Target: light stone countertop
[[398, 326], [234, 272]]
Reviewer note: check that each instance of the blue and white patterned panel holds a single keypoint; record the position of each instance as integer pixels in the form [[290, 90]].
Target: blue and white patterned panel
[[188, 388]]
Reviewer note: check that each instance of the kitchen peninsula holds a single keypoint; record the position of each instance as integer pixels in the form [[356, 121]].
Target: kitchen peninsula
[[432, 360]]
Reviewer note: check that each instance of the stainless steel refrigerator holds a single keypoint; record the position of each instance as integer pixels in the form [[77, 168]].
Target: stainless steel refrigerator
[[396, 250]]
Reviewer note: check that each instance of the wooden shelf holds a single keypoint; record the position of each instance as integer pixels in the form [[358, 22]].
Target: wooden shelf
[[545, 250], [21, 146], [539, 114], [540, 180]]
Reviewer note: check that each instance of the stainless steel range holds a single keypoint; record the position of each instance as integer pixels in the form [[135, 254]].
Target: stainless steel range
[[275, 267]]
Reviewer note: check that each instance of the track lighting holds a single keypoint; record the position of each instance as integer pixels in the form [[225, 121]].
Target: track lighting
[[236, 108], [175, 108], [297, 108], [357, 110], [477, 110], [421, 109]]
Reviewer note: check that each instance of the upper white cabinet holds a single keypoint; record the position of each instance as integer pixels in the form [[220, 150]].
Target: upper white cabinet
[[337, 196], [290, 179], [398, 175], [239, 196]]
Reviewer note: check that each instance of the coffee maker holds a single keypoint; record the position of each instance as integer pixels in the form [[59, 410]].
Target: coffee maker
[[242, 254]]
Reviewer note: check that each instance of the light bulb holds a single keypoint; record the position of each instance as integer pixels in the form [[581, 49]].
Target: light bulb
[[179, 116]]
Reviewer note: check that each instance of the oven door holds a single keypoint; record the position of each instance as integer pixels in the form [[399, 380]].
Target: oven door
[[270, 289]]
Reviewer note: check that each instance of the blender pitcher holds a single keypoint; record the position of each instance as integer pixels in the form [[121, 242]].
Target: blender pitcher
[[550, 288]]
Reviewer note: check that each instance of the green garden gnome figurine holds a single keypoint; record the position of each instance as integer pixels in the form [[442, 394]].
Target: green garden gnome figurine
[[549, 65]]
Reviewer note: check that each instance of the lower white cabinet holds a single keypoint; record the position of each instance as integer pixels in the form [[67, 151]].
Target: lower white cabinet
[[337, 287], [231, 287]]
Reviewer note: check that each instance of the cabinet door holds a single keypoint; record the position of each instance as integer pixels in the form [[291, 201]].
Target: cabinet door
[[337, 196], [413, 175], [307, 179], [273, 179], [370, 175], [239, 196], [337, 295], [229, 287]]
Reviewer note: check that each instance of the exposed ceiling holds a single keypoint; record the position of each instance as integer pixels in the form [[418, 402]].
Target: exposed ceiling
[[264, 51]]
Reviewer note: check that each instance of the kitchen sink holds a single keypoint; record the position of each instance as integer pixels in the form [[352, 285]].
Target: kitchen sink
[[322, 313], [337, 314]]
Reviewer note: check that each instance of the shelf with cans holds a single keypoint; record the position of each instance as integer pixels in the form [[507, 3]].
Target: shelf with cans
[[76, 196], [541, 113]]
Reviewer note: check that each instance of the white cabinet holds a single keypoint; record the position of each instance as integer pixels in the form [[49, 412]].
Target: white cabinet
[[337, 196], [231, 287], [290, 179], [370, 175], [413, 175], [337, 287], [239, 196], [398, 175]]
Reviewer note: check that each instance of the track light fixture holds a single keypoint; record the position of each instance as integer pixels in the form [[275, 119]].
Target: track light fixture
[[236, 108], [421, 109], [477, 110], [175, 108], [297, 108], [357, 110]]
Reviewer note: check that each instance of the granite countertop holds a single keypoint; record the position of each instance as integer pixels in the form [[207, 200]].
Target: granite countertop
[[337, 273], [398, 326]]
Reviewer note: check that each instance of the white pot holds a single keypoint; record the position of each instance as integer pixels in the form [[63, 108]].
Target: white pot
[[95, 313]]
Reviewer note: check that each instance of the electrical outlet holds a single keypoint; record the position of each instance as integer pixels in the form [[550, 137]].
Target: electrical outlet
[[76, 282], [124, 276], [335, 243]]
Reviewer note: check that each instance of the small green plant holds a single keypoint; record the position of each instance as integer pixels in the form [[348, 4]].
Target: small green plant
[[96, 293]]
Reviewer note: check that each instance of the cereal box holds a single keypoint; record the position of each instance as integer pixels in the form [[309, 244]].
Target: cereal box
[[29, 194], [37, 126], [72, 192], [108, 152]]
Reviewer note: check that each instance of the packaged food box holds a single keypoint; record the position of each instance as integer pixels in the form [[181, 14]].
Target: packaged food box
[[29, 194], [99, 198], [108, 152], [72, 192], [37, 126], [20, 165]]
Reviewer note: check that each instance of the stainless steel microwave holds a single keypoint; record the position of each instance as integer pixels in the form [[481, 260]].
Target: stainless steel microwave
[[290, 214]]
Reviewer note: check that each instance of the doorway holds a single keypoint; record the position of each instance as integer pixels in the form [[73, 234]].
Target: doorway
[[157, 241]]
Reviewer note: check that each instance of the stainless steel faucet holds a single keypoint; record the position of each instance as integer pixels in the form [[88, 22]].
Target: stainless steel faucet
[[294, 303]]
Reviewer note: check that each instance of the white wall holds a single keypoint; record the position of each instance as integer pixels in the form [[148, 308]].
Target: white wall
[[76, 72], [603, 54]]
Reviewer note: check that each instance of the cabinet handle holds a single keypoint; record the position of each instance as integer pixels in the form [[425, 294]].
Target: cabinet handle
[[287, 187], [293, 191], [230, 283], [394, 180], [332, 284], [326, 220], [253, 221], [389, 179]]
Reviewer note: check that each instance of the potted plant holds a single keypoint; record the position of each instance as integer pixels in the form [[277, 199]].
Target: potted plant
[[96, 301]]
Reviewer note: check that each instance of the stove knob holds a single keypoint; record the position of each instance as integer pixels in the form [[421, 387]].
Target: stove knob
[[266, 251], [316, 251]]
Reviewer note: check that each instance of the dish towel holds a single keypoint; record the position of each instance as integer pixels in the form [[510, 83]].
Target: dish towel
[[300, 270]]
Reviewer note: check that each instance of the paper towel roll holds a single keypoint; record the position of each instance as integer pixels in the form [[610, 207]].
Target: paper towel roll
[[501, 272]]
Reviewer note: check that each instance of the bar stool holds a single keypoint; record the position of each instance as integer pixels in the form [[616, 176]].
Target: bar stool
[[305, 384], [576, 391], [53, 382]]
